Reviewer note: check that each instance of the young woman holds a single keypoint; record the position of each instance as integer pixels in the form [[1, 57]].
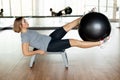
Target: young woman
[[51, 43]]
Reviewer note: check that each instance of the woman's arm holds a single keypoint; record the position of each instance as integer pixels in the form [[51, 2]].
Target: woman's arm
[[26, 52]]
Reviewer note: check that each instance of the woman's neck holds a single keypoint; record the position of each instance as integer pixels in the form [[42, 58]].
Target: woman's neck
[[24, 30]]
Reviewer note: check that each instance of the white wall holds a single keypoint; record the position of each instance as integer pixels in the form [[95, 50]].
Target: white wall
[[42, 7]]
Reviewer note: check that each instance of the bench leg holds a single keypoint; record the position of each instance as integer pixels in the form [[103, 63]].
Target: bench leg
[[65, 59], [64, 56], [32, 60]]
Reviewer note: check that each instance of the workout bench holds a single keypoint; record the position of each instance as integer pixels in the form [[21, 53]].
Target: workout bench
[[64, 56]]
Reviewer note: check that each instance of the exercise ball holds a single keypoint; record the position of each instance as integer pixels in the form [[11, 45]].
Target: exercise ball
[[68, 10], [94, 26]]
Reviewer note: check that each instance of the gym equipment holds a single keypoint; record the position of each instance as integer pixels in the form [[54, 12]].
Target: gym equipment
[[63, 53], [94, 26], [68, 10]]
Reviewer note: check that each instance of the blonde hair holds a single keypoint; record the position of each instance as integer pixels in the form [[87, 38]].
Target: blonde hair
[[17, 23]]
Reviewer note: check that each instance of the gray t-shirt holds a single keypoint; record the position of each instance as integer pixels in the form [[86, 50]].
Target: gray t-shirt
[[35, 39]]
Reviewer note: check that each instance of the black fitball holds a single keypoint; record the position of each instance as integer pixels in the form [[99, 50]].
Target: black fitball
[[94, 26]]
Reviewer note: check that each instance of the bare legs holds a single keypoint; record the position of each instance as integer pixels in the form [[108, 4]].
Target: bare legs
[[83, 44], [78, 43], [71, 25]]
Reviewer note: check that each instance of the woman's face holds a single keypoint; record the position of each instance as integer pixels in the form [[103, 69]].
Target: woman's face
[[25, 23]]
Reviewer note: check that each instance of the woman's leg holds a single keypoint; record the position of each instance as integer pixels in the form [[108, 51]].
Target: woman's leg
[[60, 32], [83, 44], [71, 25], [59, 45]]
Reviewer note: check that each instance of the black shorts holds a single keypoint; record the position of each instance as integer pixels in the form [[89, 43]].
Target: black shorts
[[57, 43]]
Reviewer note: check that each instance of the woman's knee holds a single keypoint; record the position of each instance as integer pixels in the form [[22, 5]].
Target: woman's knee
[[74, 42]]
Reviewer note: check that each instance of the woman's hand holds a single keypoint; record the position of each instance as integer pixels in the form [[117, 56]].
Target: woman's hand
[[42, 52]]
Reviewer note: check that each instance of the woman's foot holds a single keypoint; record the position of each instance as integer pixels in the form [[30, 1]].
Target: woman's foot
[[105, 40], [102, 42]]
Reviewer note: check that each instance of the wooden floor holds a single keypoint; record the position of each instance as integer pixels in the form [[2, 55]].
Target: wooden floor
[[84, 64]]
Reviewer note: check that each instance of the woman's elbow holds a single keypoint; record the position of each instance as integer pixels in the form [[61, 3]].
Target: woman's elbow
[[26, 54]]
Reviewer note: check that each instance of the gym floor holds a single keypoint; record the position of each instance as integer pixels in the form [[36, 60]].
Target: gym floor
[[97, 63]]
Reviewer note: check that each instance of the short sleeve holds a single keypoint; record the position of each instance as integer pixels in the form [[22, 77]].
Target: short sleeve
[[24, 39]]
